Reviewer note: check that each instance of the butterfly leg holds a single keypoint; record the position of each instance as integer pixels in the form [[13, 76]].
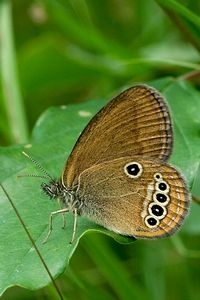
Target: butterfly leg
[[60, 211], [63, 215], [74, 225]]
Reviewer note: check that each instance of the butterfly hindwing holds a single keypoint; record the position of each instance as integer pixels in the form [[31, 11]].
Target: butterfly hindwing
[[134, 196]]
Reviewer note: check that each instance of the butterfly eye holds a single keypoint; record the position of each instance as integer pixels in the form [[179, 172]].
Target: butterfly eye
[[133, 169], [151, 222]]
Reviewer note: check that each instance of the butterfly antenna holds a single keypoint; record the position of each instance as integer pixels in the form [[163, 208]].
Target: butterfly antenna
[[39, 166]]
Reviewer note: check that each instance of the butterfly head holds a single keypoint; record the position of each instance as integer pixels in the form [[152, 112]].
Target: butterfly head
[[53, 189], [56, 190]]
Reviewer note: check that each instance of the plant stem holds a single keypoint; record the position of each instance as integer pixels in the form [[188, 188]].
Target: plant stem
[[10, 83]]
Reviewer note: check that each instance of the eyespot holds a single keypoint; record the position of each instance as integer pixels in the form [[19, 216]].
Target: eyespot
[[151, 222], [133, 169], [157, 210], [157, 176], [162, 186], [161, 198]]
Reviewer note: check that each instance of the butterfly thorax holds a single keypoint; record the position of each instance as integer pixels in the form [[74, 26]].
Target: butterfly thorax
[[56, 190]]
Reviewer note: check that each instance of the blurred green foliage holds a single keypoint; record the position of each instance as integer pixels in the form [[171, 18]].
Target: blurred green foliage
[[70, 51], [58, 52]]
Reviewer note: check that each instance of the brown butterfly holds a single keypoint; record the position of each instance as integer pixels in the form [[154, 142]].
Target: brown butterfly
[[117, 174]]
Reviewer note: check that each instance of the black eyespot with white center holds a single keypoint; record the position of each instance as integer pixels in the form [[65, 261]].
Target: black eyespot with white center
[[133, 169], [157, 210], [162, 186], [151, 222], [158, 176], [161, 198]]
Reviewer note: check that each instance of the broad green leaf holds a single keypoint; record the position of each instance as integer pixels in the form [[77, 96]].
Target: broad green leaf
[[52, 140]]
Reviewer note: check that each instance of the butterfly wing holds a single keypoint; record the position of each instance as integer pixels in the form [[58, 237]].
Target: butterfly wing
[[134, 196], [136, 122]]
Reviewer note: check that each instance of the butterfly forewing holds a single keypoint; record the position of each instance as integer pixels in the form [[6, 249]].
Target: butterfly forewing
[[136, 122]]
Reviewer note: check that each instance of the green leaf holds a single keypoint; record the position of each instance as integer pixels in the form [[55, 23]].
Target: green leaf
[[52, 140]]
